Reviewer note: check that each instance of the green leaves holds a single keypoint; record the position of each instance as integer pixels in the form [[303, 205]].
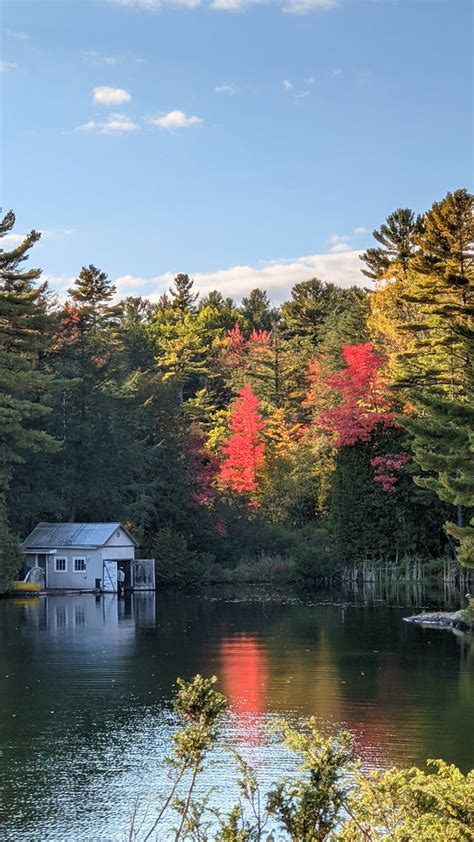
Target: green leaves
[[328, 798]]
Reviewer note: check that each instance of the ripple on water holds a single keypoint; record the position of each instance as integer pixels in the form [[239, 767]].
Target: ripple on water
[[86, 717]]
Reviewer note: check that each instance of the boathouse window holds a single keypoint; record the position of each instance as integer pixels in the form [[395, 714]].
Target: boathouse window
[[79, 565], [60, 564]]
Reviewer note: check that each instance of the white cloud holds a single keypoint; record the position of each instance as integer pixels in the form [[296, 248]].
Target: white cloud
[[303, 7], [118, 124], [174, 120], [339, 248], [287, 85], [5, 66], [15, 239], [276, 276], [56, 233], [154, 5], [302, 95], [126, 283], [299, 7], [338, 71], [115, 124], [232, 5], [11, 239], [59, 284], [226, 89], [361, 230], [90, 126], [140, 4], [16, 34], [95, 57], [339, 243], [110, 96]]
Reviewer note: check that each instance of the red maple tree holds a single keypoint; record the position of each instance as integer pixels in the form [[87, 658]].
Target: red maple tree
[[386, 468], [243, 451], [362, 390], [260, 337], [236, 340]]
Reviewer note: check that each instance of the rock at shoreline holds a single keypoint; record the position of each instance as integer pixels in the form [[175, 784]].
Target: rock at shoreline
[[461, 620]]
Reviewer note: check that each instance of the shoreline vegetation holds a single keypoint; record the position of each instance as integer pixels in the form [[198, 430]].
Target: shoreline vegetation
[[326, 439], [265, 569], [328, 798]]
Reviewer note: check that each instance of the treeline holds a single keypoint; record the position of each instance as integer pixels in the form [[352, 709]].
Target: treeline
[[333, 430]]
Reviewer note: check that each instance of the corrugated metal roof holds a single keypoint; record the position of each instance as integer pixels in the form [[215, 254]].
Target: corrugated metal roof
[[73, 534]]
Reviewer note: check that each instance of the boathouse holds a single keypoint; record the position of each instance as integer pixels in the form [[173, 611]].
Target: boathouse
[[85, 557]]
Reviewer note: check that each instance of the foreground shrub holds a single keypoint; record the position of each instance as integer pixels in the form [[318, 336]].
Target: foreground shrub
[[328, 799]]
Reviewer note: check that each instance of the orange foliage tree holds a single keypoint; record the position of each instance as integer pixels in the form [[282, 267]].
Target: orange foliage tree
[[243, 450]]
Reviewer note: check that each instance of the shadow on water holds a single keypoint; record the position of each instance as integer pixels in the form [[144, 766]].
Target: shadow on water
[[86, 686]]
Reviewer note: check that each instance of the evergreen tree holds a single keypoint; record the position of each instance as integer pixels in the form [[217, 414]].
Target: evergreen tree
[[257, 310], [438, 350], [182, 295], [311, 303], [445, 241], [11, 278], [437, 365], [93, 293], [92, 416], [134, 341], [345, 325], [369, 524], [397, 238], [443, 446], [181, 351], [217, 314], [24, 389]]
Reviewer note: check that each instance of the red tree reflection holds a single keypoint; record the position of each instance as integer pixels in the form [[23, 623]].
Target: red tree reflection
[[244, 673]]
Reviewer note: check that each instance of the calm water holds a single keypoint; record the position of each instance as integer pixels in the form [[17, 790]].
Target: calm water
[[85, 688]]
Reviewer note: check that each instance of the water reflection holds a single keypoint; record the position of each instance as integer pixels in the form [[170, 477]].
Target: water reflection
[[86, 685], [244, 674]]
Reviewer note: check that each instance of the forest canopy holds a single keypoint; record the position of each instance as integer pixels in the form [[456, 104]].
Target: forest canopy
[[329, 431]]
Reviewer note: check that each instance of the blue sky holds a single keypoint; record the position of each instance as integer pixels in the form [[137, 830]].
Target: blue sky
[[243, 142]]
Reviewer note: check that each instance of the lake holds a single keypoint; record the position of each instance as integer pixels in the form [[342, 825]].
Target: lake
[[86, 685]]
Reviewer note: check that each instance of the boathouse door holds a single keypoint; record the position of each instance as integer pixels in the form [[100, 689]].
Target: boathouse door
[[109, 579]]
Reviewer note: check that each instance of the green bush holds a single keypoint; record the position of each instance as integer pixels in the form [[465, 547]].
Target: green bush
[[10, 555], [328, 798], [175, 562], [313, 557]]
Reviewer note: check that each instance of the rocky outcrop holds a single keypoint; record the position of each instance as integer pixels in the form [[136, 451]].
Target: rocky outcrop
[[462, 620]]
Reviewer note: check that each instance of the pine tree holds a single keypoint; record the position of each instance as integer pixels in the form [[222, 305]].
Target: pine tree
[[311, 303], [443, 446], [93, 417], [181, 352], [93, 293], [257, 310], [438, 348], [182, 295], [11, 278], [24, 388], [397, 237], [346, 324], [437, 365], [132, 336]]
